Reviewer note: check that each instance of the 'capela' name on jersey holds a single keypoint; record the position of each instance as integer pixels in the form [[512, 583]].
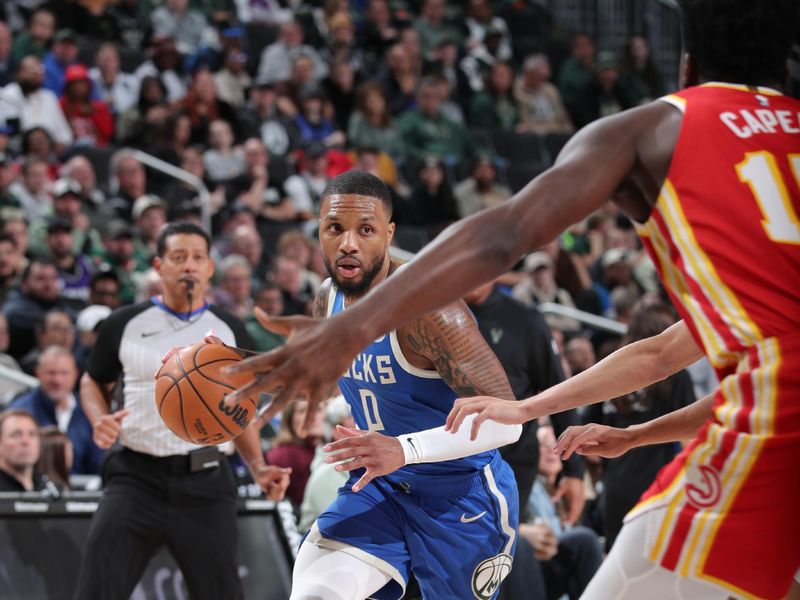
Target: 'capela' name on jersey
[[371, 368]]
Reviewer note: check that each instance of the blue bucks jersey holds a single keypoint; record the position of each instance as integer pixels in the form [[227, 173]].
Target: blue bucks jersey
[[387, 394]]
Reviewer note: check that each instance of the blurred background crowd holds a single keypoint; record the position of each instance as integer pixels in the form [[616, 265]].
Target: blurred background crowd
[[258, 103]]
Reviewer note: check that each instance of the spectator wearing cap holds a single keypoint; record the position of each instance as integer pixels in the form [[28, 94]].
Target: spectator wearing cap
[[479, 59], [19, 452], [481, 189], [232, 79], [494, 108], [55, 329], [164, 66], [54, 403], [104, 289], [6, 60], [480, 19], [277, 59], [263, 117], [540, 106], [223, 160], [62, 54], [312, 123], [577, 70], [426, 131], [27, 104], [67, 207], [117, 89], [32, 189], [118, 256], [91, 120], [540, 286], [36, 40], [188, 27], [604, 94], [25, 307], [149, 216], [74, 270]]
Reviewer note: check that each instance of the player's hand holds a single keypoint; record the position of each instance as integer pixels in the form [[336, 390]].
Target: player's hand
[[315, 355], [105, 430], [377, 453], [272, 480], [594, 440], [210, 338], [508, 412], [571, 489]]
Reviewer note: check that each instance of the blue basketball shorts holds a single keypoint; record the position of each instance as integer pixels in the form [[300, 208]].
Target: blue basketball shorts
[[456, 533]]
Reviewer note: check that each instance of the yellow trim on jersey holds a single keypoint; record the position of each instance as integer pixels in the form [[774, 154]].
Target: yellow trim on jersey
[[732, 588], [743, 88], [675, 100], [716, 349], [702, 270]]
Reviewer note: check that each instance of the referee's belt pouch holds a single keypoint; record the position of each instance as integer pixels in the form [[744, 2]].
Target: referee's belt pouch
[[204, 459]]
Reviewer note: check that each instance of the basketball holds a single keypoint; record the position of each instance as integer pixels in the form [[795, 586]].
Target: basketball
[[190, 395]]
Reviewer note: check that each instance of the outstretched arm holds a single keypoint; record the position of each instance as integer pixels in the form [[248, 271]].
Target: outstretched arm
[[588, 171], [451, 341], [610, 442], [630, 368]]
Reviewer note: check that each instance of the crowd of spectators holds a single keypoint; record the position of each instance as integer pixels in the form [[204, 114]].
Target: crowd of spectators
[[265, 101]]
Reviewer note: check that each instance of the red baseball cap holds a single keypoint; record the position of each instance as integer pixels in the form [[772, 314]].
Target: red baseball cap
[[77, 72]]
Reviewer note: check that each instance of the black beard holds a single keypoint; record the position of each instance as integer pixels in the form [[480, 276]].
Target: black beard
[[28, 87], [355, 289]]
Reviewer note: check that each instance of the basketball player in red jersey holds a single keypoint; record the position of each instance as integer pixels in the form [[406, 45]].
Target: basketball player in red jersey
[[712, 176]]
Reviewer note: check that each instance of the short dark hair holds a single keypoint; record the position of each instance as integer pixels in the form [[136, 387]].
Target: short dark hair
[[740, 41], [41, 261], [105, 274], [360, 183], [178, 228]]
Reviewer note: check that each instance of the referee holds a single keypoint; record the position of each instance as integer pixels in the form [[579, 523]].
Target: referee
[[160, 490]]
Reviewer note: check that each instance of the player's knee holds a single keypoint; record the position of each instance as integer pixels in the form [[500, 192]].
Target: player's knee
[[314, 590]]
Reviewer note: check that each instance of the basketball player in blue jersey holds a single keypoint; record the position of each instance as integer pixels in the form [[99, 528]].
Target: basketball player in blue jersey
[[418, 499]]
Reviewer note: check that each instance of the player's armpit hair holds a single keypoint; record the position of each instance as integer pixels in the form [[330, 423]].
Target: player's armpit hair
[[436, 445], [451, 340]]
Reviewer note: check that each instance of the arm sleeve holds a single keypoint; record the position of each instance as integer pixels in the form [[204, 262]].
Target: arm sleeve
[[437, 445]]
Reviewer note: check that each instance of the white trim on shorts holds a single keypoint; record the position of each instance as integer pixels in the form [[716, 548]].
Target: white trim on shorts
[[316, 538], [501, 500]]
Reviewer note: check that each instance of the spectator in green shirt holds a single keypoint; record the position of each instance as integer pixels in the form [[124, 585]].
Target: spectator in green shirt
[[269, 299], [494, 108], [425, 131], [577, 70], [35, 41]]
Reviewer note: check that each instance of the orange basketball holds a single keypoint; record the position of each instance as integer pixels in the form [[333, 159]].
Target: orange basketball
[[190, 395]]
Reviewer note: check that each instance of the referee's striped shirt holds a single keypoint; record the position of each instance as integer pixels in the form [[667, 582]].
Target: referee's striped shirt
[[131, 343]]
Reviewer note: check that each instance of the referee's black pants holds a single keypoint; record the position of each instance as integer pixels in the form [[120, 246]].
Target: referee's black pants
[[149, 502]]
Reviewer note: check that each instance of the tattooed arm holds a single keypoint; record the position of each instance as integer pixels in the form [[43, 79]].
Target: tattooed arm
[[448, 340]]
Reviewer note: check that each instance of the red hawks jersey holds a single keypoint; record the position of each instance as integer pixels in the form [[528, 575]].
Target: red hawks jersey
[[725, 237]]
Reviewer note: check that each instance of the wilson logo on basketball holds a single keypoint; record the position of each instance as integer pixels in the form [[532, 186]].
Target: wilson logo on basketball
[[238, 414], [489, 574], [703, 487]]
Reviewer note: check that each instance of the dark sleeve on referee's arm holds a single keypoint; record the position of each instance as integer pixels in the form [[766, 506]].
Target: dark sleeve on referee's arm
[[240, 334], [547, 363], [104, 365]]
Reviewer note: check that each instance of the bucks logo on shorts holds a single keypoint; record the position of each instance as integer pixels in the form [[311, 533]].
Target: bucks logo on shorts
[[489, 574]]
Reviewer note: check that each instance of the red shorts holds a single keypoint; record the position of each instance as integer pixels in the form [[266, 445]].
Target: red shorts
[[732, 497]]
